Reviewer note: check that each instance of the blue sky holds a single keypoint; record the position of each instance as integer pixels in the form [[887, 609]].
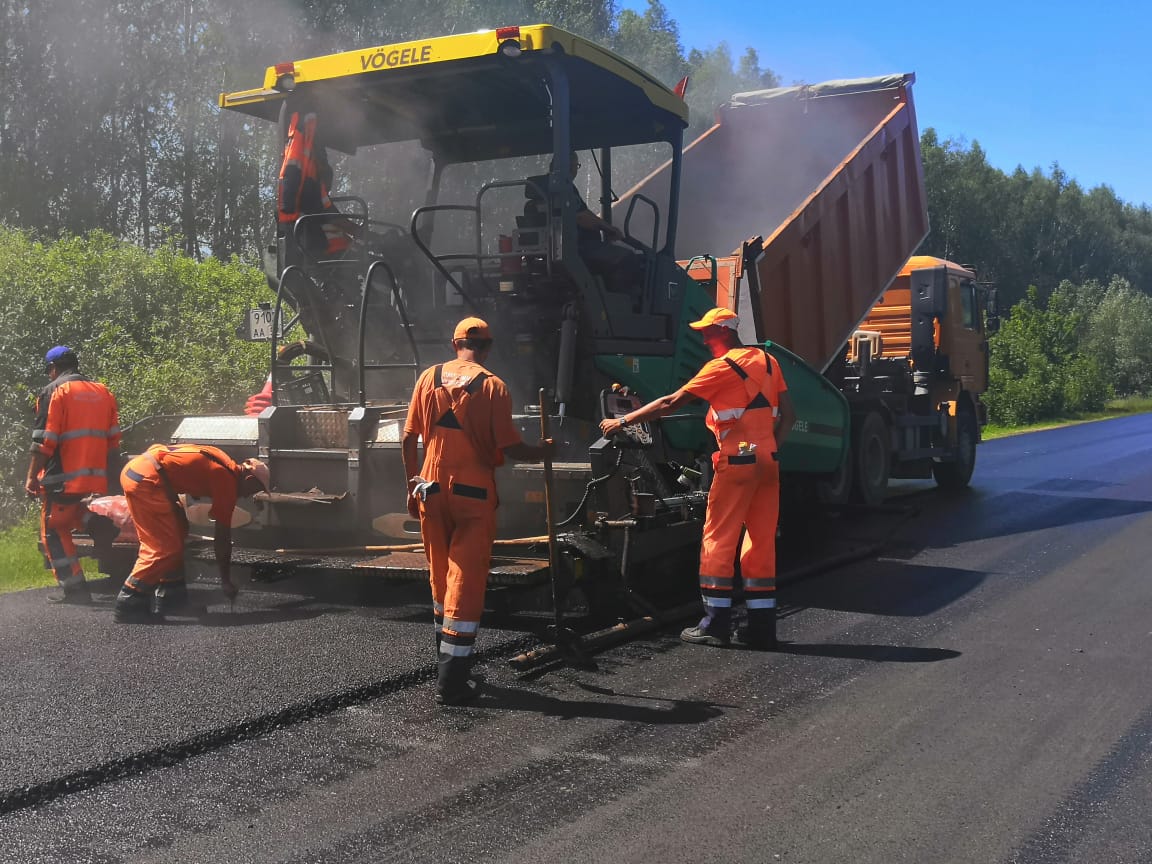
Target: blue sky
[[1033, 82]]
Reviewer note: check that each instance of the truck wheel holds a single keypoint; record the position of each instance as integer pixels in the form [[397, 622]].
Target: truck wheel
[[873, 460], [957, 473]]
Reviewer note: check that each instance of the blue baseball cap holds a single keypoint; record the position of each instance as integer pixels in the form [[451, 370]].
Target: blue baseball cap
[[61, 355]]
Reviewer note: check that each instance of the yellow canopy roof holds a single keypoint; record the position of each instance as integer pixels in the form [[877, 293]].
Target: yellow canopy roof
[[466, 98]]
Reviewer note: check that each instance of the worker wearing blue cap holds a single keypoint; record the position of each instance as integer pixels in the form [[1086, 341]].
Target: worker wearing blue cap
[[77, 424]]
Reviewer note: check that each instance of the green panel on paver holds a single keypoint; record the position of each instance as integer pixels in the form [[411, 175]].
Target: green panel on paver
[[819, 440], [652, 377]]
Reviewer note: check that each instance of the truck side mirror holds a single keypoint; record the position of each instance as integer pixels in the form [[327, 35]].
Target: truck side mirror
[[929, 302], [930, 292], [991, 308]]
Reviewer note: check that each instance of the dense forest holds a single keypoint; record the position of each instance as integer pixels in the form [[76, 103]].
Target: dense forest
[[133, 211], [109, 118], [109, 122]]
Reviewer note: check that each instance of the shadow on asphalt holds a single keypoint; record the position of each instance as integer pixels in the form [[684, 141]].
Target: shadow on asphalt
[[359, 588], [875, 653], [678, 711], [975, 514], [884, 587], [249, 618], [216, 613]]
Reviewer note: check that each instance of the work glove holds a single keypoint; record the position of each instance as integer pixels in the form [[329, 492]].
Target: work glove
[[420, 490]]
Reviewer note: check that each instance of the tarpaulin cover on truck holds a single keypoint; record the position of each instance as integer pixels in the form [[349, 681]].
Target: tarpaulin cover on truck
[[842, 87]]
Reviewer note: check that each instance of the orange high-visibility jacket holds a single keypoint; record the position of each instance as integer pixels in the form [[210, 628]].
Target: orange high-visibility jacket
[[301, 191], [462, 395], [742, 389], [77, 423], [199, 470], [298, 167]]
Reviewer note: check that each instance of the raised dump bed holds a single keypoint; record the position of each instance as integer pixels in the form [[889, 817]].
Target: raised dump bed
[[809, 200], [828, 178]]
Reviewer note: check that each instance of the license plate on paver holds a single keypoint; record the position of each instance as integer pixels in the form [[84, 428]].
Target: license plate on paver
[[260, 325]]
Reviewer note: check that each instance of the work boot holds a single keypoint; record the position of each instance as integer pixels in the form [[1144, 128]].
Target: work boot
[[453, 686], [170, 597], [760, 633], [133, 606], [77, 595], [473, 673], [714, 629]]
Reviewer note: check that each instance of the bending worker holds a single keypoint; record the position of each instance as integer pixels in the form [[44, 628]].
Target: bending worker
[[76, 428], [152, 484], [750, 414], [463, 414]]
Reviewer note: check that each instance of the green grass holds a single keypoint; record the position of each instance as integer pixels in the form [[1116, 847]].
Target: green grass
[[22, 565], [1115, 408]]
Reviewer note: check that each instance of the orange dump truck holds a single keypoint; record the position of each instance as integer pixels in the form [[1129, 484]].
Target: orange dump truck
[[817, 194]]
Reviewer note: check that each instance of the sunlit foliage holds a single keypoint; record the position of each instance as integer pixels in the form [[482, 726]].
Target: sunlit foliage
[[157, 327]]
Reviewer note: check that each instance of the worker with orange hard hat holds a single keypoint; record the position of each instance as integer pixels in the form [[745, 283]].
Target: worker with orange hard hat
[[153, 482], [463, 415], [750, 414]]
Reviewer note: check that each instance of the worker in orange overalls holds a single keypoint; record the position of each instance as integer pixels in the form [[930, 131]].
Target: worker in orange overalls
[[463, 414], [152, 485], [750, 414], [303, 189], [76, 428]]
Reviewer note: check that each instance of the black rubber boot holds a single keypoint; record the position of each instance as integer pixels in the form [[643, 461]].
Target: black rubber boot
[[133, 607], [473, 674], [760, 634], [714, 629], [453, 686], [170, 597], [74, 595]]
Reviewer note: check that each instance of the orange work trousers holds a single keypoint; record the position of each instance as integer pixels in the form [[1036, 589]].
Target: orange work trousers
[[745, 494], [458, 525], [161, 530], [58, 519]]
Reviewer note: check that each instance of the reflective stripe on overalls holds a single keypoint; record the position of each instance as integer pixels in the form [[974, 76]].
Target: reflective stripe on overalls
[[744, 495], [160, 520], [458, 525], [298, 166], [60, 515]]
